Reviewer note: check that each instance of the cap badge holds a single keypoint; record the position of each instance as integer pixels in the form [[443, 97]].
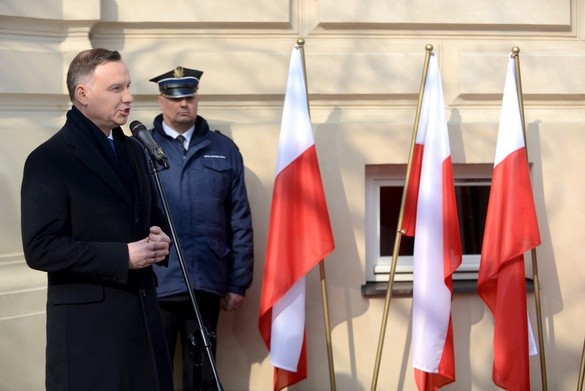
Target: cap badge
[[179, 72]]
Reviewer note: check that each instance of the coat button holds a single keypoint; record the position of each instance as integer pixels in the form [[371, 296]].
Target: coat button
[[143, 292]]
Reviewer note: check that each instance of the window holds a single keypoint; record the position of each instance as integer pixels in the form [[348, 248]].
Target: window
[[384, 186]]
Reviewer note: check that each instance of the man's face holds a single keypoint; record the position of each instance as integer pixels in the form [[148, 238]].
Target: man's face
[[179, 113], [106, 99]]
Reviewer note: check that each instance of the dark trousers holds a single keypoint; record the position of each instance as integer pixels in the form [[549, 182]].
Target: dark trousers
[[178, 318]]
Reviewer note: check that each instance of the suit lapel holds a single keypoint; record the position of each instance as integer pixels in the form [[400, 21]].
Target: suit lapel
[[136, 161], [88, 154]]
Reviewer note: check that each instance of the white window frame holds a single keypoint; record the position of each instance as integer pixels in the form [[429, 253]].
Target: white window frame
[[378, 267]]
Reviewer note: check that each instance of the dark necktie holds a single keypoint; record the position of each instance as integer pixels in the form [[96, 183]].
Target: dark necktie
[[114, 160], [181, 140], [113, 145]]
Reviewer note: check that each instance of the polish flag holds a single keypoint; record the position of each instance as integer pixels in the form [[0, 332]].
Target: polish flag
[[431, 207], [511, 229], [299, 234]]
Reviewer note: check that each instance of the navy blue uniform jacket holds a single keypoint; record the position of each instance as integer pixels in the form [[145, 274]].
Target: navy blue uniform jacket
[[209, 207]]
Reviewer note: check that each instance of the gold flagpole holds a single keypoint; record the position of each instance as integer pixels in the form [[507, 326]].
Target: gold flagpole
[[515, 55], [399, 230], [581, 370], [300, 44], [327, 326]]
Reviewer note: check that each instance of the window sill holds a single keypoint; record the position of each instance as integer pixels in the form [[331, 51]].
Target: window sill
[[404, 288]]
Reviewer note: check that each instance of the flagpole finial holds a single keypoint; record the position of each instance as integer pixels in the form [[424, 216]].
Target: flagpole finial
[[515, 51], [300, 41], [429, 48]]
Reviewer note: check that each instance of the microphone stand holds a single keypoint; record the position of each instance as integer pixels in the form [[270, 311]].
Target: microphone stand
[[204, 332]]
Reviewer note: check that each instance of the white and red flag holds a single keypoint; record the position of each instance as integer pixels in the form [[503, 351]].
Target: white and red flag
[[511, 229], [430, 215], [299, 234]]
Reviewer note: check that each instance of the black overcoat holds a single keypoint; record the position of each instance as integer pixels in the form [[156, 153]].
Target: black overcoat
[[103, 326]]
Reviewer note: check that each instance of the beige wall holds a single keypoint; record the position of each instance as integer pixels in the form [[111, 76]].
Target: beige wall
[[364, 61]]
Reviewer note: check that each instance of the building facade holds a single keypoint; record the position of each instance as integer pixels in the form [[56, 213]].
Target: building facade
[[364, 62]]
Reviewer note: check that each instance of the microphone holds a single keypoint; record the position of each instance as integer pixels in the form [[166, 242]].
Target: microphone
[[156, 153]]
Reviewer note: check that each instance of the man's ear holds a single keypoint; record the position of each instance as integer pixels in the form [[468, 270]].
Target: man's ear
[[81, 94]]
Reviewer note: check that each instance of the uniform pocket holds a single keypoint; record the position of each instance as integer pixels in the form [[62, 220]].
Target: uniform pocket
[[216, 176], [219, 248]]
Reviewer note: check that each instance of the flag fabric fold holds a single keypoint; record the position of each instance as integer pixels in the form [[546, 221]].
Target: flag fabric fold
[[511, 230], [430, 215], [299, 234]]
